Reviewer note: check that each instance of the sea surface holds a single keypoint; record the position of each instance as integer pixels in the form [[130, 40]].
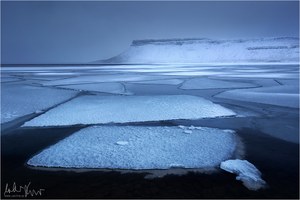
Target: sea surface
[[269, 133]]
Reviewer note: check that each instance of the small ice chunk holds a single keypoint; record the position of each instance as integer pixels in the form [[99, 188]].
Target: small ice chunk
[[192, 127], [181, 126], [122, 143], [229, 131], [188, 131], [176, 165], [247, 173], [38, 111]]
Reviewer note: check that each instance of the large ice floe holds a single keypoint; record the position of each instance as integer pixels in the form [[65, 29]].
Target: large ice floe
[[19, 99], [121, 109], [207, 83], [246, 172], [140, 147]]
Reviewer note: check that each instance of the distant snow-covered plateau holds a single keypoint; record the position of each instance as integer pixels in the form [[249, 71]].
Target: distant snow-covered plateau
[[203, 50]]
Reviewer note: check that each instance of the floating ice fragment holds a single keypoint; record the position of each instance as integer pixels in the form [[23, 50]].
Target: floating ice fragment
[[94, 109], [228, 131], [176, 165], [188, 131], [154, 148], [191, 127], [247, 173], [199, 128], [122, 142], [181, 126]]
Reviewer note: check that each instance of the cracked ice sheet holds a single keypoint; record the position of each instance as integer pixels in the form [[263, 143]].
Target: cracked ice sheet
[[102, 78], [113, 88], [18, 100], [281, 95], [121, 109], [141, 148], [207, 83]]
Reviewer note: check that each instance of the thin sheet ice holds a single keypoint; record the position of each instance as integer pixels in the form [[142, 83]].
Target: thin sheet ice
[[19, 99], [280, 95], [207, 83], [102, 78], [113, 88]]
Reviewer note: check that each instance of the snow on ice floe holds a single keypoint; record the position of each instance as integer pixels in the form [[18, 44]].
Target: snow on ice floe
[[207, 83], [113, 88], [280, 95], [246, 172], [18, 100], [139, 147], [121, 109]]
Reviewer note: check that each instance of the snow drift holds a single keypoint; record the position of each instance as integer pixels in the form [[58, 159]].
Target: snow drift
[[202, 50]]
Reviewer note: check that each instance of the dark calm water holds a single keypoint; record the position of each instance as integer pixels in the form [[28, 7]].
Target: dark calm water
[[278, 160]]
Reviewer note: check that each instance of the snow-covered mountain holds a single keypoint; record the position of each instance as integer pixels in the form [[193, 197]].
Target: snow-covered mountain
[[203, 50]]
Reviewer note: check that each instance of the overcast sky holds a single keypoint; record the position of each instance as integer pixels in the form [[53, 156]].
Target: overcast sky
[[78, 32]]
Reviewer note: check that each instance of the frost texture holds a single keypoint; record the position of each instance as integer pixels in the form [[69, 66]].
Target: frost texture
[[139, 147], [121, 109]]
